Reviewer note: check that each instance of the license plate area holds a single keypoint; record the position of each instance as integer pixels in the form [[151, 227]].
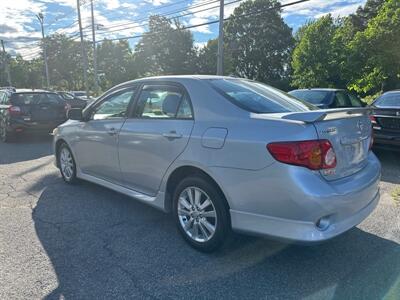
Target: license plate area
[[356, 152]]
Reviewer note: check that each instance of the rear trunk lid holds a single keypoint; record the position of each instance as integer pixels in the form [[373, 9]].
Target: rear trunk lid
[[349, 132], [42, 108], [388, 118]]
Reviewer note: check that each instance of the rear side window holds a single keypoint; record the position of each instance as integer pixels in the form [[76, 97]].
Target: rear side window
[[387, 100], [314, 97], [342, 100], [257, 97], [35, 98], [355, 101]]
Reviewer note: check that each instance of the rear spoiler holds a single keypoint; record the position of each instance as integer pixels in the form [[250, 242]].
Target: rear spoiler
[[327, 114]]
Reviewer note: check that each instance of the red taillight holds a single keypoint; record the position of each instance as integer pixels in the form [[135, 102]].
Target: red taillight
[[14, 110], [371, 140], [373, 119], [315, 154]]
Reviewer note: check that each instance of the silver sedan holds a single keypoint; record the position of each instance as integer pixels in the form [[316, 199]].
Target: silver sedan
[[226, 154]]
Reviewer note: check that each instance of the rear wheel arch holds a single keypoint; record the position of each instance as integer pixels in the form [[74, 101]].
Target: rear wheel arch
[[188, 171]]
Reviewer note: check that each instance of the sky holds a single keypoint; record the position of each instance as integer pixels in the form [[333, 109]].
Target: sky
[[20, 28]]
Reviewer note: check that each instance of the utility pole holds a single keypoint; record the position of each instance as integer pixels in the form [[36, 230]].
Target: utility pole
[[41, 19], [83, 53], [6, 68], [220, 55], [96, 83]]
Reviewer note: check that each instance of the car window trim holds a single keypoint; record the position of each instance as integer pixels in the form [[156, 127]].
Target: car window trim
[[131, 114]]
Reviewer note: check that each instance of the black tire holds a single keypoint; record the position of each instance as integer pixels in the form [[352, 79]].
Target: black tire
[[72, 179], [222, 226], [5, 136]]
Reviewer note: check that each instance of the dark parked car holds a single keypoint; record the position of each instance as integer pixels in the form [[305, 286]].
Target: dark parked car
[[386, 119], [72, 100], [328, 98], [27, 110]]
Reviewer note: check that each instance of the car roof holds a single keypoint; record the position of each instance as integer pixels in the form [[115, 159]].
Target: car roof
[[32, 91], [321, 90], [392, 92], [170, 77]]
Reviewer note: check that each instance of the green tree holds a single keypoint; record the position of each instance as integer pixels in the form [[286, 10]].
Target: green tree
[[115, 63], [207, 59], [316, 58], [165, 50], [361, 17], [374, 53], [260, 42], [65, 62], [27, 73]]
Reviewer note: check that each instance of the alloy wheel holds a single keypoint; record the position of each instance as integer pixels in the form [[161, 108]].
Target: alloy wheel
[[66, 163], [197, 214]]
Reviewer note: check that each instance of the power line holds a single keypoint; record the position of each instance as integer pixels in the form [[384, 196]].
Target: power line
[[164, 15], [150, 10], [177, 16], [210, 22]]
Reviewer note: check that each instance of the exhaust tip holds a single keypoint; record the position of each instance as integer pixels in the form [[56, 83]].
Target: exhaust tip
[[323, 223]]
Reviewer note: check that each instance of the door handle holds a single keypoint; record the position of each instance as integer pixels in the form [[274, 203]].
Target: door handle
[[112, 131], [172, 135]]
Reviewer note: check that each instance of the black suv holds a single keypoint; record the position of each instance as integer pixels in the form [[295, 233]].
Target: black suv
[[27, 110]]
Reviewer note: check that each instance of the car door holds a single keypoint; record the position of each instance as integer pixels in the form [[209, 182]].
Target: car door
[[96, 149], [154, 136]]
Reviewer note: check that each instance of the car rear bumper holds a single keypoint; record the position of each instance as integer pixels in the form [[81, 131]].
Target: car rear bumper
[[387, 137], [297, 231], [294, 203], [23, 126]]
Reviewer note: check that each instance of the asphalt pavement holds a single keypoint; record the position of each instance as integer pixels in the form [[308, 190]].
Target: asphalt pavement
[[86, 242]]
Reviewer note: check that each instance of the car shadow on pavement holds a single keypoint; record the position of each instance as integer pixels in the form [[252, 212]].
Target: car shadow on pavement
[[390, 165], [104, 245], [26, 147]]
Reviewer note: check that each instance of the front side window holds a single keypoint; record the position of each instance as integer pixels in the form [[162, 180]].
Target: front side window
[[163, 102], [258, 97], [115, 106]]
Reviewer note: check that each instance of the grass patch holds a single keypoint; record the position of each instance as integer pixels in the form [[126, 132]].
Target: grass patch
[[396, 195]]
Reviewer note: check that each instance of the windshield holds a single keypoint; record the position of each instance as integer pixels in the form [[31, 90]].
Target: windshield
[[388, 100], [314, 97], [258, 97]]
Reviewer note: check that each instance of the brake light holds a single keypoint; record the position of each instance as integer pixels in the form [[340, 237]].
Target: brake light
[[371, 140], [14, 110], [314, 154], [373, 119]]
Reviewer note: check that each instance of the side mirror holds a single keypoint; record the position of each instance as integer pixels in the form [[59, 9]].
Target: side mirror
[[75, 114]]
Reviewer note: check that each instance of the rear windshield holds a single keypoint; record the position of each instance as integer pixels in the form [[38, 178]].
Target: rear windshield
[[314, 97], [258, 97], [387, 100], [35, 98]]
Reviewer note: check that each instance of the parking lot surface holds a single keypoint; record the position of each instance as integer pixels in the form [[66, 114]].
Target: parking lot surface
[[87, 242]]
